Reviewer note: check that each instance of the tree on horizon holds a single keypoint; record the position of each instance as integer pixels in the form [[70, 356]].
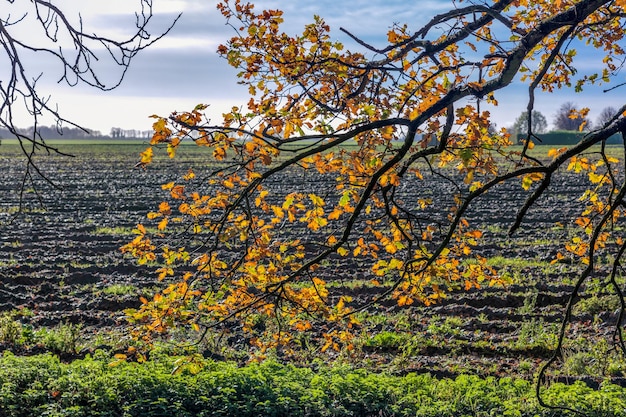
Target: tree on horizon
[[568, 117]]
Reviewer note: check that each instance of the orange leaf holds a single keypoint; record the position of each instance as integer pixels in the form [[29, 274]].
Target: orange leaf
[[164, 208], [178, 192]]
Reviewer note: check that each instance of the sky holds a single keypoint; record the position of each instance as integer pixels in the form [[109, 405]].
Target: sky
[[183, 69]]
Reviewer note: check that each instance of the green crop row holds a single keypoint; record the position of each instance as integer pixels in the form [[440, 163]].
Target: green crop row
[[44, 386]]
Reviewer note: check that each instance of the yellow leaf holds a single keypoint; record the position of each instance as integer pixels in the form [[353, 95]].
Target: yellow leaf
[[219, 153], [117, 362], [317, 201], [475, 185], [404, 300], [391, 248], [526, 182], [159, 125], [595, 178], [171, 150], [190, 175], [146, 156], [318, 281], [162, 224]]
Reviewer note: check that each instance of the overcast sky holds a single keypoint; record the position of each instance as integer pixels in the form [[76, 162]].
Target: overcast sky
[[183, 69]]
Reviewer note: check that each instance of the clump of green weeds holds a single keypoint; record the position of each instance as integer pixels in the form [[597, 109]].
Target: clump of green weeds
[[62, 339], [537, 334], [448, 327], [583, 358], [10, 329], [121, 290], [596, 304], [386, 341]]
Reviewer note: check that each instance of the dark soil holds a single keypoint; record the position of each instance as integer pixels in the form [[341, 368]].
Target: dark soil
[[60, 254]]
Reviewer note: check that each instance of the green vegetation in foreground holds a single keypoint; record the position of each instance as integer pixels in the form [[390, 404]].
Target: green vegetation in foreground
[[43, 386]]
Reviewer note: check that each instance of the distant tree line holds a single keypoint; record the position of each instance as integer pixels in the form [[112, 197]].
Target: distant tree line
[[569, 125], [117, 132], [568, 117], [53, 132]]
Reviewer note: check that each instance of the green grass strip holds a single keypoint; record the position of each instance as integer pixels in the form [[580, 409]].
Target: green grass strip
[[43, 386]]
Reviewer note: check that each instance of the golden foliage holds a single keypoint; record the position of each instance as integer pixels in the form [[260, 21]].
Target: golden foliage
[[313, 172]]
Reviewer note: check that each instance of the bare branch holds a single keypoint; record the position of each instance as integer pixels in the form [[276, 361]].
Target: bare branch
[[75, 51]]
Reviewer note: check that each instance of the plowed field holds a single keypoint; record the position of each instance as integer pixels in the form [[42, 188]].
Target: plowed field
[[60, 258]]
